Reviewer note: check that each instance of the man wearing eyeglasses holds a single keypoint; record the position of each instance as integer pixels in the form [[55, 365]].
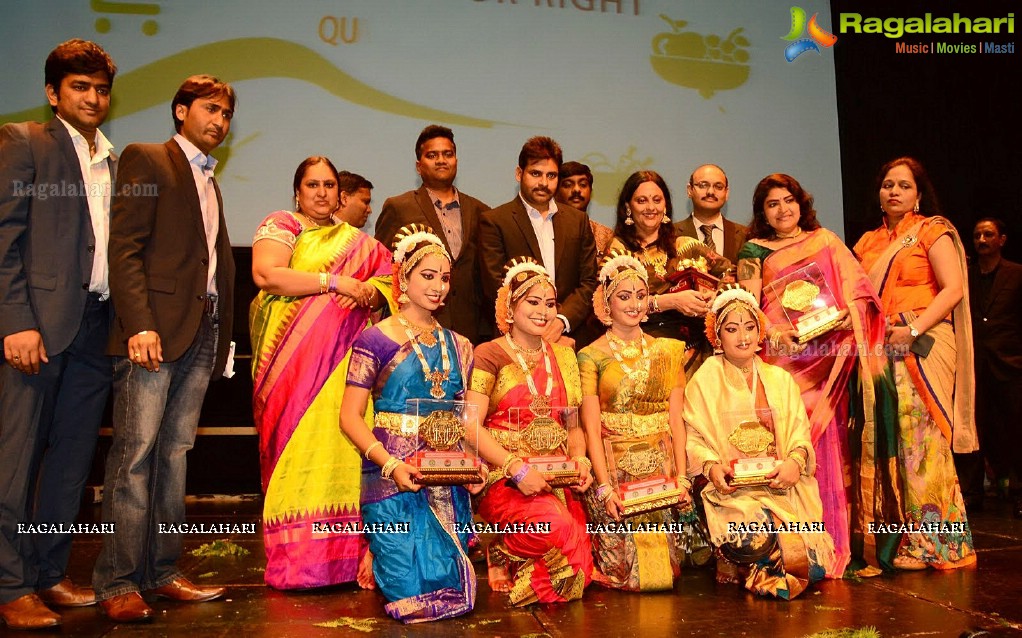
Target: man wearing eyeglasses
[[454, 216], [708, 190]]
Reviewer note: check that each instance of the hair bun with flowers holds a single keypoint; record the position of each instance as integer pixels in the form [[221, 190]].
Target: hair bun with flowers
[[520, 275], [732, 297], [411, 244], [618, 265], [410, 237]]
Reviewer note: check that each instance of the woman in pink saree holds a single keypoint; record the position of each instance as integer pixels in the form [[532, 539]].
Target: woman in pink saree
[[784, 239]]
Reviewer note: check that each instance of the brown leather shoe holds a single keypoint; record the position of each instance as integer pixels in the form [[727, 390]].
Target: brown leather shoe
[[67, 594], [183, 590], [127, 608], [28, 612]]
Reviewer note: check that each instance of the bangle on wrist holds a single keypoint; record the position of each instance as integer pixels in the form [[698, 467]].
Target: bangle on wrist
[[388, 468], [707, 466], [505, 468], [654, 303], [582, 460], [323, 282], [371, 447], [333, 283], [519, 476], [603, 491]]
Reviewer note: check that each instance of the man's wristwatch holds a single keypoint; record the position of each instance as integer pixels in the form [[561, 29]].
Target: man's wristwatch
[[912, 331]]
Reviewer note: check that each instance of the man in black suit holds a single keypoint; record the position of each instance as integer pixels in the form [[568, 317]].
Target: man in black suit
[[54, 319], [708, 190], [453, 216], [995, 290], [556, 235], [172, 285]]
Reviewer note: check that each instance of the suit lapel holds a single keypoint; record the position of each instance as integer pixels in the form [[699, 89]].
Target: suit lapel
[[731, 240], [560, 223], [687, 228], [74, 167], [525, 226], [183, 173]]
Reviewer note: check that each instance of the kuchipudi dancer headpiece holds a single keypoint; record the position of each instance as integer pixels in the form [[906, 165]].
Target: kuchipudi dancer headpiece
[[520, 275], [411, 245], [732, 297], [617, 266]]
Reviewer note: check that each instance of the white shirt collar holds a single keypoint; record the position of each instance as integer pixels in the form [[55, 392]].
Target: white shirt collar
[[194, 155], [103, 146], [534, 212]]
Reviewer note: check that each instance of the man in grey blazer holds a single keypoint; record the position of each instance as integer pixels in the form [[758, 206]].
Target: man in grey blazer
[[172, 285], [54, 318], [454, 216], [556, 235], [708, 190]]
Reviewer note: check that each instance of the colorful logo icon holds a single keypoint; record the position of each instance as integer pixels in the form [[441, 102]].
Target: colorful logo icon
[[707, 63], [799, 45]]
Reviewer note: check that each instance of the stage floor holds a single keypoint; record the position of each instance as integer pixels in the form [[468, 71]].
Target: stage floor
[[982, 601]]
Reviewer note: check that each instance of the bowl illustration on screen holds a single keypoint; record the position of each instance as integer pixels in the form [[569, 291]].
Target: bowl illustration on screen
[[705, 63], [608, 177]]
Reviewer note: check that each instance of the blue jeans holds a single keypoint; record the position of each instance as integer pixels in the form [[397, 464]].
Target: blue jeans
[[155, 418], [49, 423]]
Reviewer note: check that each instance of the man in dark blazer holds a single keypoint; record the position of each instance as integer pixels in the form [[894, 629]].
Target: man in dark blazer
[[556, 235], [172, 278], [995, 300], [54, 320], [454, 217], [708, 190]]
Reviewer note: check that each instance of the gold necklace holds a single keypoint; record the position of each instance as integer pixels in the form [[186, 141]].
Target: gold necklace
[[423, 334], [798, 231], [540, 404], [639, 375], [628, 349], [436, 378]]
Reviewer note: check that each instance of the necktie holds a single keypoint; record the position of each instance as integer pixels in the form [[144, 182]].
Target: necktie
[[708, 236], [211, 223]]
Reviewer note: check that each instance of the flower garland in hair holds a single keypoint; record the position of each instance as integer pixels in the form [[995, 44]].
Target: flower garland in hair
[[731, 297], [406, 240], [618, 265], [523, 273]]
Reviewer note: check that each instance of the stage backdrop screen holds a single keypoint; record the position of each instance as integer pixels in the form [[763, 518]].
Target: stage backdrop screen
[[622, 85]]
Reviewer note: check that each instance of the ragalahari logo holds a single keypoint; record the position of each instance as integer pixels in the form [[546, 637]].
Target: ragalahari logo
[[799, 45]]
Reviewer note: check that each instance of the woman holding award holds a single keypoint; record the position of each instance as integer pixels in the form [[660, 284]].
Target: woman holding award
[[529, 392], [644, 227], [319, 279], [425, 575], [632, 393], [917, 263], [749, 433], [790, 262]]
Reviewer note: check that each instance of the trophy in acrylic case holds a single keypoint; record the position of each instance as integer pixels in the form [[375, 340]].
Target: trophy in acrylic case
[[752, 435], [439, 428], [539, 434], [651, 488], [808, 304]]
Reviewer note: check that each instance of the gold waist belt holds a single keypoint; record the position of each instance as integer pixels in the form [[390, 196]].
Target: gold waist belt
[[635, 425]]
